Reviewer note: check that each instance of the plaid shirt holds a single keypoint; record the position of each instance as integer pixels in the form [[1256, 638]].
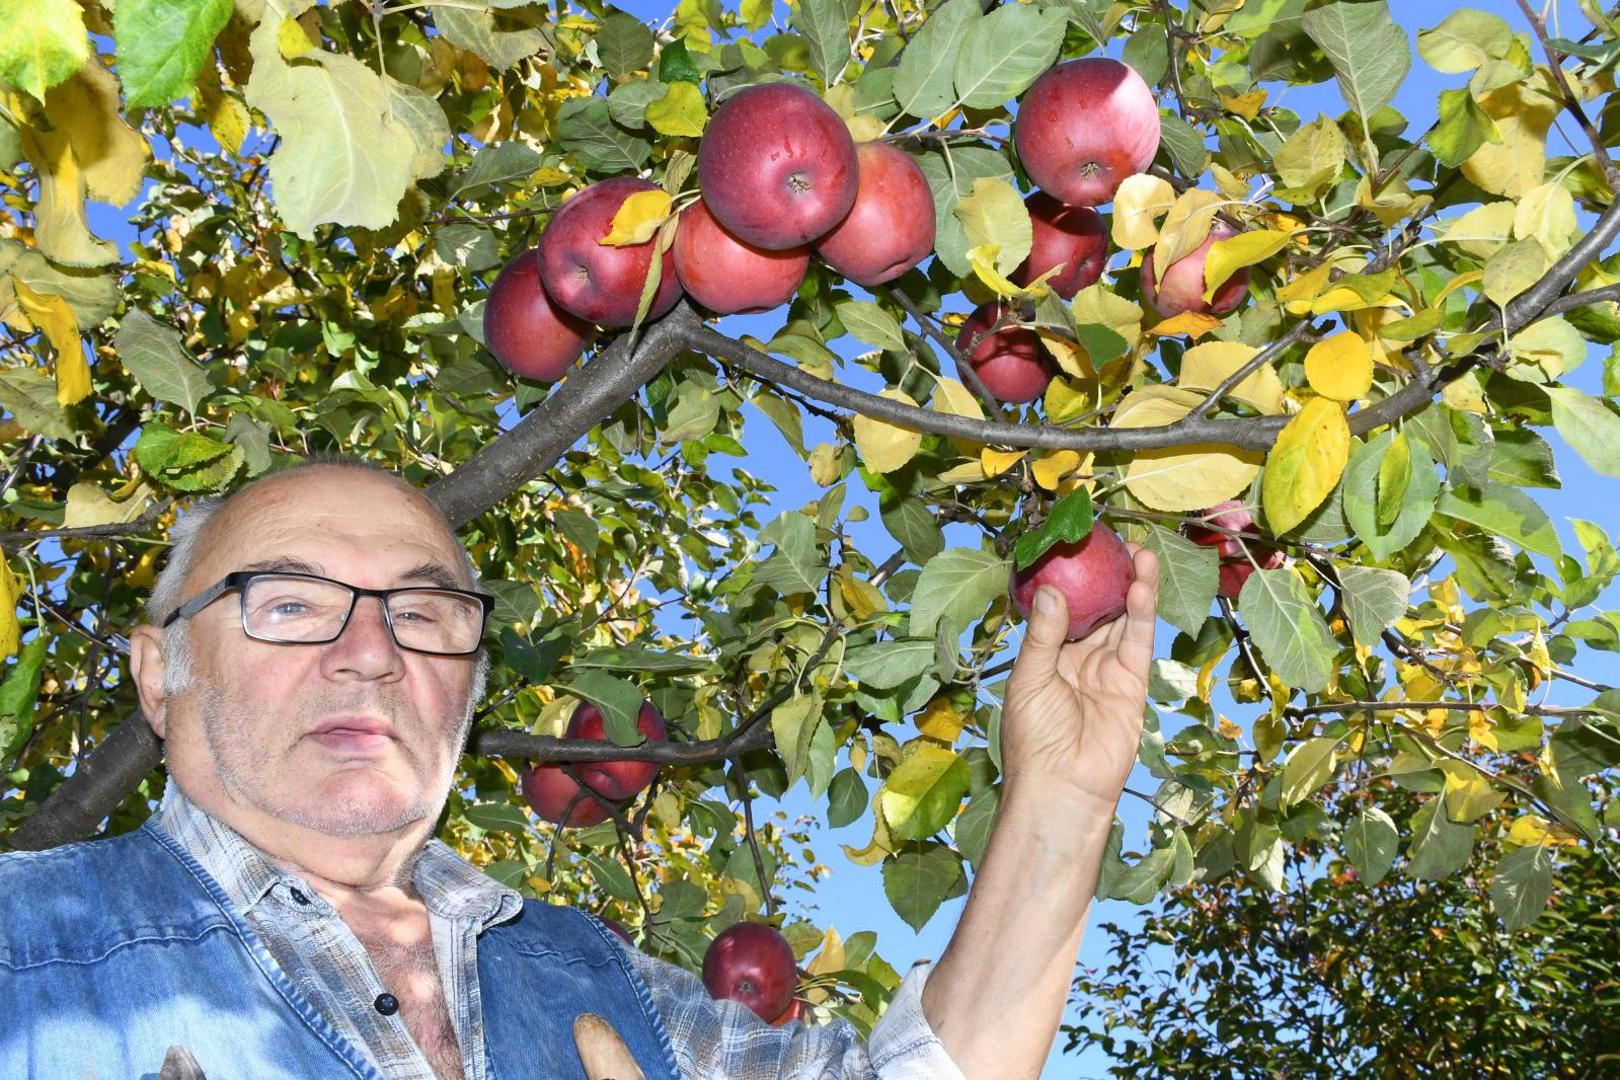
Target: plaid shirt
[[714, 1040]]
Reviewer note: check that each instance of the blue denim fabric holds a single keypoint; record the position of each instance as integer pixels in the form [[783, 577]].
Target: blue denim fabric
[[114, 950]]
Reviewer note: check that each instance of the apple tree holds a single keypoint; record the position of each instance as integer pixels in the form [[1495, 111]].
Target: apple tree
[[1025, 278]]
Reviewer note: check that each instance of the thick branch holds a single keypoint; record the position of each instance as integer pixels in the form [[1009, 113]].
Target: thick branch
[[100, 783]]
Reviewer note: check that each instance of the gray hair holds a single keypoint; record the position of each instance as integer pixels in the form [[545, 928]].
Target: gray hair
[[185, 536]]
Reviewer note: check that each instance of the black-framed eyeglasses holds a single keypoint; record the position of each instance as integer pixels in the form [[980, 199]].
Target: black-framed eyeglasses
[[305, 609]]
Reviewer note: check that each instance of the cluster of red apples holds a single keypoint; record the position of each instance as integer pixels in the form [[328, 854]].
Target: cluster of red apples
[[1240, 557], [781, 178]]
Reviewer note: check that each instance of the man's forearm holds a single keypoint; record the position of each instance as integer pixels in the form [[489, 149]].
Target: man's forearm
[[996, 997]]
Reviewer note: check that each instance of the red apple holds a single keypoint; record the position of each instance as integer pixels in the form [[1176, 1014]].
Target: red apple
[[1010, 362], [524, 330], [616, 780], [1084, 126], [1236, 570], [728, 275], [550, 791], [1181, 287], [1230, 515], [1070, 236], [751, 963], [777, 166], [1093, 574], [591, 280], [793, 1012], [890, 228]]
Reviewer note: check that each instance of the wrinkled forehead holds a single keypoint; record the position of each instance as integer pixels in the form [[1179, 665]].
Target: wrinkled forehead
[[334, 522]]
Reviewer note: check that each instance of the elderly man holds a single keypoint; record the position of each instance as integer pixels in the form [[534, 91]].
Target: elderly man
[[312, 670]]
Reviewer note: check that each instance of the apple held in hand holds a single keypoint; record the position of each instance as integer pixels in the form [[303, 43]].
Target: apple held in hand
[[777, 166], [728, 275], [550, 790], [1093, 573], [890, 228], [524, 330], [616, 780], [752, 963], [1181, 286], [591, 280], [1010, 362], [1069, 236], [1084, 126]]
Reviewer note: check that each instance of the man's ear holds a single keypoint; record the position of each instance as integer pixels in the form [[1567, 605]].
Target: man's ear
[[146, 667]]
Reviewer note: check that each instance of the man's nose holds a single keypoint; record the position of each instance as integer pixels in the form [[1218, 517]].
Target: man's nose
[[366, 646]]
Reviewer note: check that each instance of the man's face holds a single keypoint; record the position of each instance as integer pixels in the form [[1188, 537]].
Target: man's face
[[262, 725]]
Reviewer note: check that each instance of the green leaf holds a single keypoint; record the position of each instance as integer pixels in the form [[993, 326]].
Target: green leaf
[[824, 24], [1288, 628], [1370, 841], [885, 665], [1514, 269], [618, 699], [957, 584], [797, 565], [1184, 143], [636, 658], [951, 174], [184, 460], [1505, 511], [1439, 845], [500, 40], [611, 876], [1463, 128], [1521, 885], [1361, 496], [29, 394], [1584, 745], [1464, 40], [162, 44], [18, 693], [846, 799], [472, 247], [923, 81], [153, 354], [919, 879], [1070, 522], [1373, 600], [974, 823], [1189, 577], [913, 525], [498, 817], [1140, 883], [1394, 477], [344, 157], [796, 725], [1145, 51], [1369, 53], [627, 105], [586, 130], [1003, 53], [534, 663], [42, 43], [675, 64], [924, 791], [871, 324], [1589, 426], [624, 44], [1309, 766]]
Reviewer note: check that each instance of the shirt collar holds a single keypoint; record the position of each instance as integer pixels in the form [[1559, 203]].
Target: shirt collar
[[450, 886]]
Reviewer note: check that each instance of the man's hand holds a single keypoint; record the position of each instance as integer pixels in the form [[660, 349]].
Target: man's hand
[[1073, 714]]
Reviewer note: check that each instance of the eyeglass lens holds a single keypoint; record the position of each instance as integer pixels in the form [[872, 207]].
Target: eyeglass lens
[[292, 609]]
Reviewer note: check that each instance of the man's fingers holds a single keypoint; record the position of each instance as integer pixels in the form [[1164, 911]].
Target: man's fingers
[[1043, 637]]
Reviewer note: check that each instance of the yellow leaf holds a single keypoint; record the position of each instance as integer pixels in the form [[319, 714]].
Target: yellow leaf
[[1206, 366], [996, 462], [1245, 105], [1138, 204], [1304, 464], [1049, 470], [10, 597], [1483, 230], [1458, 282], [941, 720], [993, 213], [955, 399], [862, 597], [1228, 729], [1480, 729], [1195, 324], [826, 464], [1230, 185], [1185, 227], [1344, 298], [882, 843], [226, 117], [1185, 477], [883, 446], [1514, 269], [53, 316], [61, 228], [1523, 112], [638, 219], [1469, 796], [1464, 393], [1064, 401], [1312, 156], [1340, 367], [831, 956], [970, 473], [1527, 830], [1228, 256], [680, 113], [291, 41], [1096, 305], [1546, 212], [88, 505], [865, 128], [920, 769], [1299, 292], [1069, 355], [984, 260], [111, 154]]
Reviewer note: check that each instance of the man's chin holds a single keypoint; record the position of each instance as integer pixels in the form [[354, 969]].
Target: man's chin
[[357, 802]]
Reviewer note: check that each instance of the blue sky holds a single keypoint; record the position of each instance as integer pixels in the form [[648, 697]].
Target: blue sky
[[852, 898]]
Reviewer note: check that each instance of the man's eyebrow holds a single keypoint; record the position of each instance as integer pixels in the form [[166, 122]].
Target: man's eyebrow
[[434, 573]]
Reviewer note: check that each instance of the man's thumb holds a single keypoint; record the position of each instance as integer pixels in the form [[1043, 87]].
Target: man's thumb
[[1048, 628]]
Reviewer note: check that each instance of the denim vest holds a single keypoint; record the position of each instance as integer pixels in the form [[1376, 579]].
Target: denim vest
[[114, 950]]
